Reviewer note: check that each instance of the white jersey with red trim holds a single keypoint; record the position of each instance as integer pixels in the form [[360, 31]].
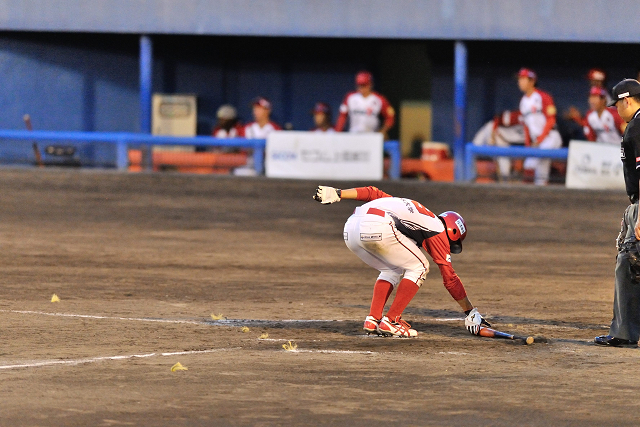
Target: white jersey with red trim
[[534, 109], [254, 130], [364, 111], [419, 223], [605, 126]]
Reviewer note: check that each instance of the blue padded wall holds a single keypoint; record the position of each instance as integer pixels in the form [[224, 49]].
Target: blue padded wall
[[65, 85]]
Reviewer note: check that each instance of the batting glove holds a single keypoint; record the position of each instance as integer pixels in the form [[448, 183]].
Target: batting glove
[[326, 195], [473, 321]]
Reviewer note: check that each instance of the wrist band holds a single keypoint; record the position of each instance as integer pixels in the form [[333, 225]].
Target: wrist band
[[339, 193]]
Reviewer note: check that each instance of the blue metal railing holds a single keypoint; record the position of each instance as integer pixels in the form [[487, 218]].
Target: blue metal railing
[[471, 151], [122, 141]]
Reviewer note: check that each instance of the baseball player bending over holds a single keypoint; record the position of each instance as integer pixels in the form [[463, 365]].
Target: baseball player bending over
[[386, 233]]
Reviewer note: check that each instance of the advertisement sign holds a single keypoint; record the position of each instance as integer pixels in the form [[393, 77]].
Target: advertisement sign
[[321, 155], [594, 165]]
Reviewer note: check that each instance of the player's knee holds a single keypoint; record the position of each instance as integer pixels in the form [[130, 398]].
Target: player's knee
[[391, 277], [417, 275]]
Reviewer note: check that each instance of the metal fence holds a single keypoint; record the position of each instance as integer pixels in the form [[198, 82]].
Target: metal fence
[[472, 151], [112, 149]]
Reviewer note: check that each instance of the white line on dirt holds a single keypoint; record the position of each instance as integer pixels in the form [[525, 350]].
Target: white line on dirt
[[99, 359], [227, 322], [332, 351], [88, 316], [235, 322]]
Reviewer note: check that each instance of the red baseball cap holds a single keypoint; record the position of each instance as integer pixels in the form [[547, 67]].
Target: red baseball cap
[[596, 74], [525, 72], [261, 101], [364, 78], [321, 107], [598, 91]]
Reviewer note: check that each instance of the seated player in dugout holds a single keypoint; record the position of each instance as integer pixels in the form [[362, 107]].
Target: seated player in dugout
[[597, 79], [602, 123], [387, 233], [262, 124], [321, 113], [227, 125]]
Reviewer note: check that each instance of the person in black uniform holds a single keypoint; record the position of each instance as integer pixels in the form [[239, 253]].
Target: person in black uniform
[[625, 326]]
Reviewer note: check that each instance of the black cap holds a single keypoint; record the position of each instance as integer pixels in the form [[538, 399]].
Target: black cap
[[624, 89]]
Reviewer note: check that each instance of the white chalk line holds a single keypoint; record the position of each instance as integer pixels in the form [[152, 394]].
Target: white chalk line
[[102, 358], [332, 351], [234, 322], [227, 322], [89, 316]]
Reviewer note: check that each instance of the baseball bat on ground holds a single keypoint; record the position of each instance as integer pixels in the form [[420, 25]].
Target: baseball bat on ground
[[36, 151], [492, 333]]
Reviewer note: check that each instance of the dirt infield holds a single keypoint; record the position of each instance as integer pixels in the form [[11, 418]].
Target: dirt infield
[[140, 262]]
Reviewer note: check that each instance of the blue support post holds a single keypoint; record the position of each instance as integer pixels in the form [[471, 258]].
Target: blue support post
[[146, 69], [460, 107], [469, 163], [393, 149], [258, 157], [122, 155]]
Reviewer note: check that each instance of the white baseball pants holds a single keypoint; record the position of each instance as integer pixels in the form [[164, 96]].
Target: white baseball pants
[[371, 234], [542, 166]]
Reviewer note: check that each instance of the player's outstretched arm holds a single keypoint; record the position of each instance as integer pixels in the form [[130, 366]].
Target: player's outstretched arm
[[326, 195]]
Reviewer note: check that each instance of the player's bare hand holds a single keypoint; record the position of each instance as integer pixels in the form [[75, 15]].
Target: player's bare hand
[[326, 195], [637, 230], [473, 321]]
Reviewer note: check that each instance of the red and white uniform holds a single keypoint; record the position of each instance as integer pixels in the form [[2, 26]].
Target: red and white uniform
[[254, 131], [235, 132], [538, 114], [387, 233], [504, 131], [364, 112], [607, 127]]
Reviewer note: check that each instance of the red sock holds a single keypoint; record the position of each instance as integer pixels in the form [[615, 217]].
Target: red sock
[[405, 293], [381, 291]]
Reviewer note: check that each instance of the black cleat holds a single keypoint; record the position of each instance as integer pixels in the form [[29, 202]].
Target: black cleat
[[614, 342]]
